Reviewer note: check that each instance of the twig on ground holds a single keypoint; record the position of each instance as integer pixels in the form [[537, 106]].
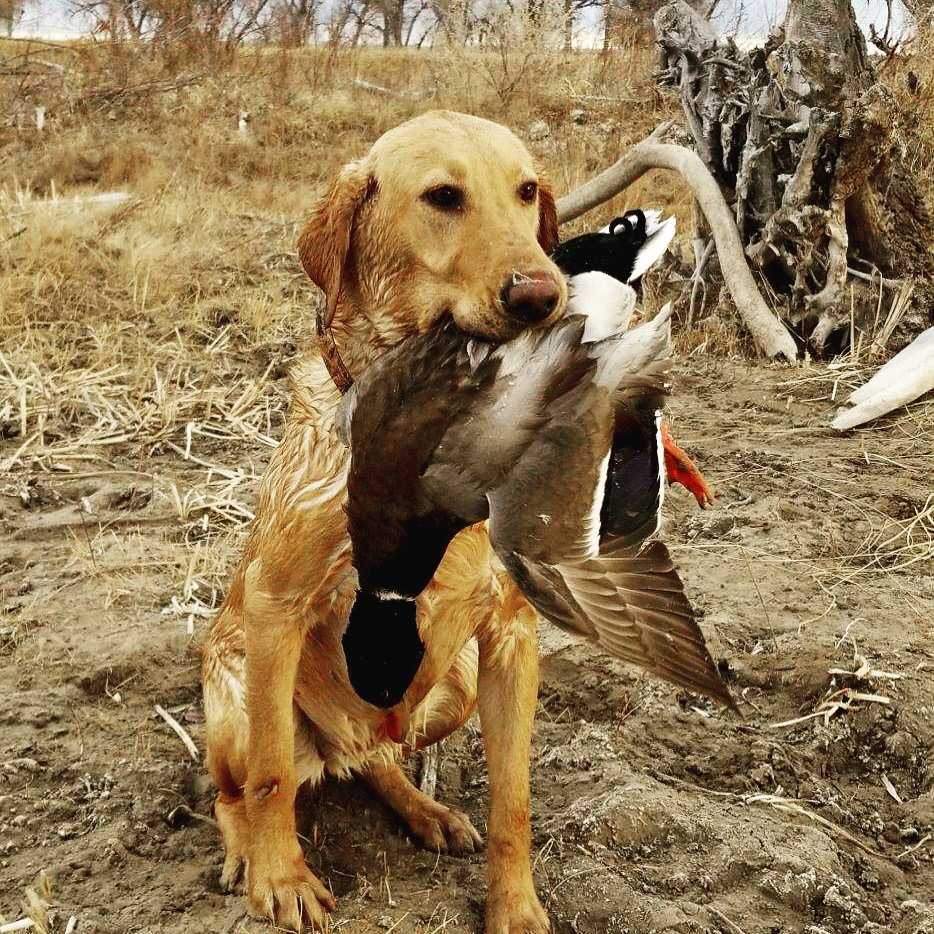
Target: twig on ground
[[924, 840], [22, 925], [790, 806], [180, 730], [842, 699], [719, 914]]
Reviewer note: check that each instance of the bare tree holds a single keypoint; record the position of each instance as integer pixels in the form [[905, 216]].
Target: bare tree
[[203, 21], [294, 22], [920, 11], [395, 22], [398, 19], [350, 20], [572, 10], [392, 13], [117, 18], [625, 18], [10, 12]]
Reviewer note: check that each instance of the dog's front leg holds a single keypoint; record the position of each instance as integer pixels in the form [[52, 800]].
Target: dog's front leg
[[279, 883], [507, 695]]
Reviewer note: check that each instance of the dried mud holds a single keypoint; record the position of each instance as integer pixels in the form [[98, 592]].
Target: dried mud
[[653, 811]]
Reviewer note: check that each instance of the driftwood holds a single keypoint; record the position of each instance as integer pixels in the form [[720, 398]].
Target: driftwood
[[799, 138], [906, 377], [770, 335]]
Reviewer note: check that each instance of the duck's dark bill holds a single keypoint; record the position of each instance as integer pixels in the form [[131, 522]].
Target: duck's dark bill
[[382, 647]]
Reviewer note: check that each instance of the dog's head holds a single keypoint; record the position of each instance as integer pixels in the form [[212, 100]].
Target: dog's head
[[447, 214]]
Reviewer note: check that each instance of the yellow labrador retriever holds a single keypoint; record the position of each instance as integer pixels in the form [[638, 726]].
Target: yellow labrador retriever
[[447, 215]]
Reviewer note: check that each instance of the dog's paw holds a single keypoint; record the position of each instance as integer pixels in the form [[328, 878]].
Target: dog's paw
[[231, 818], [446, 831], [292, 897], [233, 873], [512, 913]]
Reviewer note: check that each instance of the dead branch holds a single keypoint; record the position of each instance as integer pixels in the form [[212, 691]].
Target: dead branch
[[105, 96], [770, 335]]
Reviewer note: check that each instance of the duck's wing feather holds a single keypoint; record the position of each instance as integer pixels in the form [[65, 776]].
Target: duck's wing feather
[[644, 350], [594, 468], [632, 606], [536, 374], [547, 506]]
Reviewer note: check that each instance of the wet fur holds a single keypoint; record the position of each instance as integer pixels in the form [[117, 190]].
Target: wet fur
[[389, 266]]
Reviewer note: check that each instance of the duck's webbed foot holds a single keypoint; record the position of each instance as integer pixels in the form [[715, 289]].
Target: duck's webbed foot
[[681, 469]]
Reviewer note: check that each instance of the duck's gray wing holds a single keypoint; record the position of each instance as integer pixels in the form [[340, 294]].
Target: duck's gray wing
[[643, 350], [534, 372], [548, 506], [631, 605]]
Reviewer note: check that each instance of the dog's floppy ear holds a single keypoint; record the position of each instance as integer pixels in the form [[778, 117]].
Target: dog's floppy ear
[[325, 242], [547, 217]]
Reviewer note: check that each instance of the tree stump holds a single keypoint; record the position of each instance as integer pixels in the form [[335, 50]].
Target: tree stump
[[799, 136]]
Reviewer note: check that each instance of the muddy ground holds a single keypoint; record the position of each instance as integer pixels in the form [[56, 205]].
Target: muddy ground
[[653, 810]]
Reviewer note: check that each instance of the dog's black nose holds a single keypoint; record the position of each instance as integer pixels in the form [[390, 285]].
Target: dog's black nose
[[530, 297]]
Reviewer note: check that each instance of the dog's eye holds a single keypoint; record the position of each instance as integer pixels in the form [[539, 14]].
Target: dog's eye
[[528, 191], [445, 198]]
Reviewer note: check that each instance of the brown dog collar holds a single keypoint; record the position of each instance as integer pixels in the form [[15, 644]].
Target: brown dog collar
[[339, 373]]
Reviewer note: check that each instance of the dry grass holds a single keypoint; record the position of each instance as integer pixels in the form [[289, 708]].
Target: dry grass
[[896, 544], [161, 319], [152, 330], [161, 322]]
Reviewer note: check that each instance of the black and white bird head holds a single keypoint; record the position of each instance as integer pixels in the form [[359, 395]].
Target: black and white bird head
[[602, 268]]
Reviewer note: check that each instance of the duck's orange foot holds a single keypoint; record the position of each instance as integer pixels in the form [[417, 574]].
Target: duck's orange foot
[[681, 469]]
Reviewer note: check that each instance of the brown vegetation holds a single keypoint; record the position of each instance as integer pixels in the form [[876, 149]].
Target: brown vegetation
[[143, 346]]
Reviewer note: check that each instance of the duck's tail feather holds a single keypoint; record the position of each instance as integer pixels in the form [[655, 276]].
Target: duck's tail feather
[[658, 235]]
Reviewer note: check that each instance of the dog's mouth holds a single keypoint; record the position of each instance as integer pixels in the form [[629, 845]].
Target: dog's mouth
[[491, 322], [493, 332]]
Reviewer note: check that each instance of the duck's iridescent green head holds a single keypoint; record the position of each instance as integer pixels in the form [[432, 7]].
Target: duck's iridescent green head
[[382, 647]]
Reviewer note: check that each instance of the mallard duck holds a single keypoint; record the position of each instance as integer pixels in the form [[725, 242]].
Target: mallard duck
[[601, 268], [553, 438]]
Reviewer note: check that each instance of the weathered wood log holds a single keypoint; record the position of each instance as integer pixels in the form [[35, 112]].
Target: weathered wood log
[[769, 334], [906, 377], [908, 359]]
